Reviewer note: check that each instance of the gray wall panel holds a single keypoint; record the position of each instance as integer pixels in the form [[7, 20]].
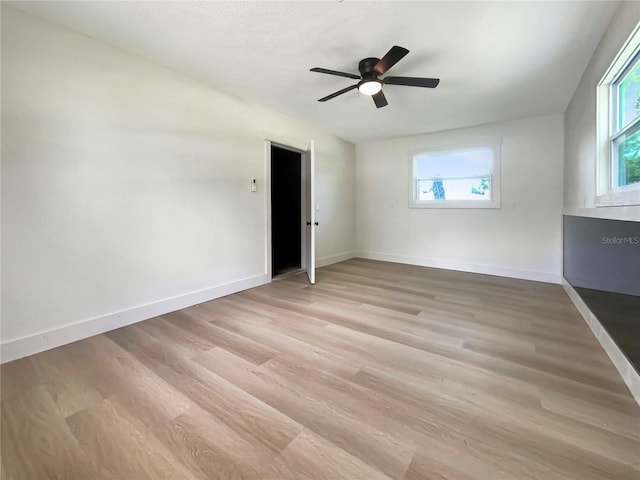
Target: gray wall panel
[[602, 254]]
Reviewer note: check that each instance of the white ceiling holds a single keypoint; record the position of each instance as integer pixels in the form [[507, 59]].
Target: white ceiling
[[496, 60]]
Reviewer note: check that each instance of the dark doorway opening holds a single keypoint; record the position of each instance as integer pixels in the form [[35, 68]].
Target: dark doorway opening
[[286, 211]]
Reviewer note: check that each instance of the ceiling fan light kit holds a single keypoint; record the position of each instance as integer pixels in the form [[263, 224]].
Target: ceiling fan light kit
[[369, 87], [370, 83]]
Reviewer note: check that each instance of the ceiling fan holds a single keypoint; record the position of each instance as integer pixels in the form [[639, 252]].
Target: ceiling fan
[[370, 83]]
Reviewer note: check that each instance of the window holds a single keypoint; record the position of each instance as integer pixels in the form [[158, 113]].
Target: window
[[626, 130], [618, 125], [464, 176]]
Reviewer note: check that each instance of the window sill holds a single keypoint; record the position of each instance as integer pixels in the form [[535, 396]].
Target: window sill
[[455, 204], [618, 198]]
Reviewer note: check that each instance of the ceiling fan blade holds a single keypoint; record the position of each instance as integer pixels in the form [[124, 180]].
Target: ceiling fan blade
[[334, 72], [412, 81], [339, 92], [380, 100], [392, 57]]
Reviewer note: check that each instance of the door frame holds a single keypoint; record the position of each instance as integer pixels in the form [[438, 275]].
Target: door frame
[[303, 151]]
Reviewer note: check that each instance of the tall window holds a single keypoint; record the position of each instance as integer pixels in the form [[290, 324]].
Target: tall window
[[466, 176], [618, 128], [625, 139]]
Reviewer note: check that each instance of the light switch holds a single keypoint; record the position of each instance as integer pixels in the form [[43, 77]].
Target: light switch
[[254, 185]]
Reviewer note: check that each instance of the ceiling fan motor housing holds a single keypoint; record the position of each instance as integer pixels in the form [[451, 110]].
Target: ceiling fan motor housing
[[366, 68]]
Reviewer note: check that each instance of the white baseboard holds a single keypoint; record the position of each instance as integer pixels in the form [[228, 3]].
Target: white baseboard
[[341, 257], [464, 267], [627, 372], [15, 348]]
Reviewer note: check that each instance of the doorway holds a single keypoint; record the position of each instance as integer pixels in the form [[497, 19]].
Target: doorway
[[286, 212]]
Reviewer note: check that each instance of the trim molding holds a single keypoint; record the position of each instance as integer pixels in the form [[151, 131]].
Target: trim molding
[[627, 372], [464, 267], [330, 260], [626, 213], [15, 348]]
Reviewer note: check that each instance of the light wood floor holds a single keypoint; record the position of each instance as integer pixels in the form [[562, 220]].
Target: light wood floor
[[378, 371]]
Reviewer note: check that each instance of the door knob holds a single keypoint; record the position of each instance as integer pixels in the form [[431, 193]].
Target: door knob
[[316, 224]]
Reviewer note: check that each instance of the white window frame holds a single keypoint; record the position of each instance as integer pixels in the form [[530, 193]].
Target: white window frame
[[607, 195], [494, 202]]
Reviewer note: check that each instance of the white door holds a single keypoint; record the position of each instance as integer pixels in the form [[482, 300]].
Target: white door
[[310, 247]]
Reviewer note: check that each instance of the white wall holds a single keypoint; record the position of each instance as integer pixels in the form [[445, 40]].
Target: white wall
[[580, 124], [522, 239], [125, 187]]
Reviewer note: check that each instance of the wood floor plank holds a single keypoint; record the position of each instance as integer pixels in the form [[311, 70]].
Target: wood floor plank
[[490, 422], [404, 419], [241, 411], [226, 453], [409, 335], [73, 394], [186, 342], [183, 428], [140, 388], [598, 416], [436, 463], [278, 339], [340, 423], [121, 447], [229, 366], [380, 370], [378, 448], [195, 321], [16, 377], [313, 457], [56, 363], [36, 443], [527, 359]]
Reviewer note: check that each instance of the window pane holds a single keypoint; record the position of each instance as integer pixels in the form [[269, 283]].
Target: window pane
[[454, 189], [628, 94], [463, 174], [627, 163]]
